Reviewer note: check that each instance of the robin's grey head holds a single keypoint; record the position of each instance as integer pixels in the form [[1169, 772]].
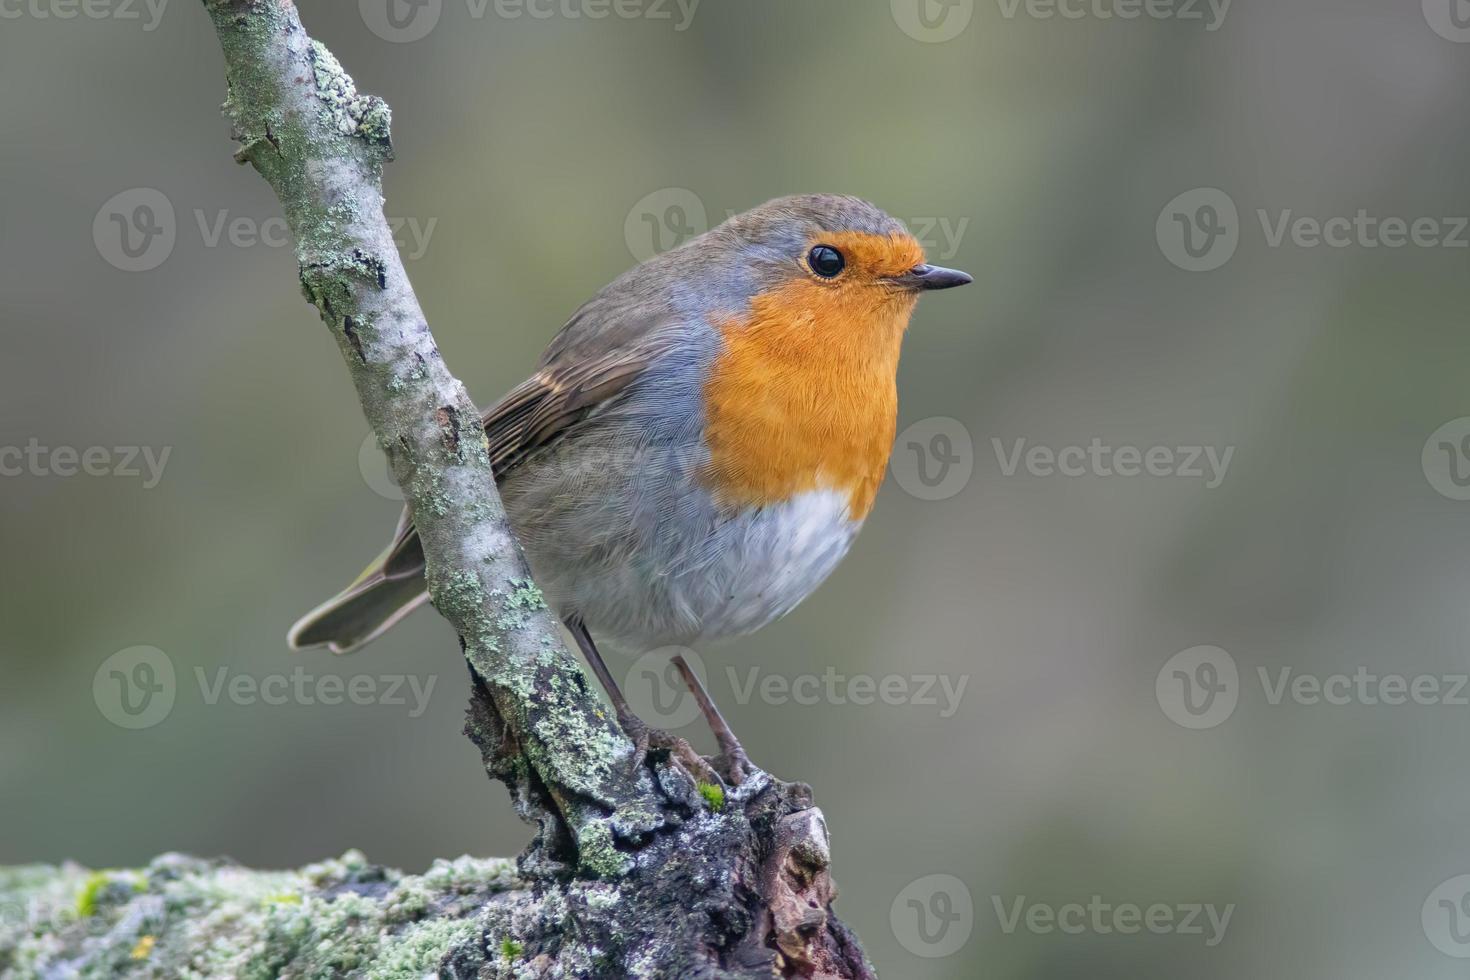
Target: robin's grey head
[[832, 240]]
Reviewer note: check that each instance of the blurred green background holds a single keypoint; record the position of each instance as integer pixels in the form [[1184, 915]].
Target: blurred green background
[[538, 156]]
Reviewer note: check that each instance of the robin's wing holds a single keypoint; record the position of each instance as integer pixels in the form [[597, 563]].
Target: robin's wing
[[595, 357], [555, 398], [605, 347]]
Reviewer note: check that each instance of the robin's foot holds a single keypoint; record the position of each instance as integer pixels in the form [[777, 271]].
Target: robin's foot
[[734, 764], [646, 739]]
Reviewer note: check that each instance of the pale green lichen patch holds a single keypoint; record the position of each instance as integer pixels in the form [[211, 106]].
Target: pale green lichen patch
[[348, 112], [525, 594], [458, 596], [520, 606], [427, 490], [187, 918]]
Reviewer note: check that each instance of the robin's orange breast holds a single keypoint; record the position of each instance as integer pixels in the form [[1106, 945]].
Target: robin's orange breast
[[803, 395]]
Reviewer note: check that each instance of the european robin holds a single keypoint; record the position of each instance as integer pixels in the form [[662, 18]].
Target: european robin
[[700, 443]]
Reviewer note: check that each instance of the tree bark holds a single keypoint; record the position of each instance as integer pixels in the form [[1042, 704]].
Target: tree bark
[[182, 917], [635, 870]]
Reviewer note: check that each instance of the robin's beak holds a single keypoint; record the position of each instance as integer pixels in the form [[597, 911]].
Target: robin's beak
[[926, 277]]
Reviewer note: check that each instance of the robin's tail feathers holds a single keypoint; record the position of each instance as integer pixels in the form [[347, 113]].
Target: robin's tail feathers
[[361, 613]]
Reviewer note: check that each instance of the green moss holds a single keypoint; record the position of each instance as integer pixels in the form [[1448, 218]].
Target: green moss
[[106, 887], [510, 950], [87, 900], [714, 796]]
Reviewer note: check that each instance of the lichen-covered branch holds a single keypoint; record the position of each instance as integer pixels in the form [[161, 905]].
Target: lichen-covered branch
[[303, 125], [182, 918]]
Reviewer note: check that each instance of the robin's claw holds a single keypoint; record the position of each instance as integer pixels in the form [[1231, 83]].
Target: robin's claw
[[681, 753], [735, 764], [640, 751]]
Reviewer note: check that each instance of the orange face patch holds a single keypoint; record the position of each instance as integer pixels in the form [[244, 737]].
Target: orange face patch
[[803, 397], [871, 257]]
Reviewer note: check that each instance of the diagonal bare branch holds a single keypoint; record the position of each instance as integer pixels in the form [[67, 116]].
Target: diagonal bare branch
[[322, 146]]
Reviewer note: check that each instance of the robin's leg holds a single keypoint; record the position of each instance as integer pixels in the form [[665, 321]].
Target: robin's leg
[[644, 737], [737, 763]]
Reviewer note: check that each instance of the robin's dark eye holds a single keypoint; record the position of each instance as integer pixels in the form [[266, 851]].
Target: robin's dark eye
[[826, 261]]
